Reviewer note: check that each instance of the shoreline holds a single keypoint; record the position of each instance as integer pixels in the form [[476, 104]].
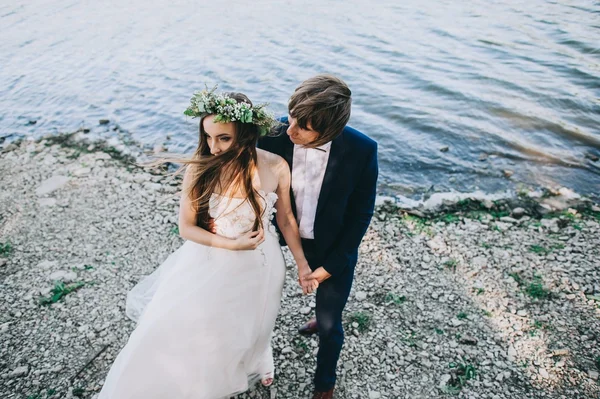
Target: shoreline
[[475, 299], [538, 202]]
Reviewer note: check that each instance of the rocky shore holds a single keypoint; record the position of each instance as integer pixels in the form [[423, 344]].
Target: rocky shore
[[478, 300]]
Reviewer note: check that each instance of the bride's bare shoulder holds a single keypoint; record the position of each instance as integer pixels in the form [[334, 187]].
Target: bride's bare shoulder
[[269, 158], [273, 161]]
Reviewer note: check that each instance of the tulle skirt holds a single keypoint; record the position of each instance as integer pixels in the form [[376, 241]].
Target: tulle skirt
[[205, 321]]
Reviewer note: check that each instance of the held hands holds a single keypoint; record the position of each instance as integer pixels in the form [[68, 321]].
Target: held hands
[[249, 241], [308, 285], [320, 274], [309, 280]]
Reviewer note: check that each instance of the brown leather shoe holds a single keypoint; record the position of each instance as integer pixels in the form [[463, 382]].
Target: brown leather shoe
[[323, 395], [309, 328]]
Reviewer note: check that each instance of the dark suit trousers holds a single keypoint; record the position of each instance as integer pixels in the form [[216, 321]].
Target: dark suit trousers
[[332, 296]]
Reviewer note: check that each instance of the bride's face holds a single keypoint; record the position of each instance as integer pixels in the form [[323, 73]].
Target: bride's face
[[219, 136]]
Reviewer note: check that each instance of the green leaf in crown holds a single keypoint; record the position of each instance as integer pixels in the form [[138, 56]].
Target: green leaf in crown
[[226, 109]]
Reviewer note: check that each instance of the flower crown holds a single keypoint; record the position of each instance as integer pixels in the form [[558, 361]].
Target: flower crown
[[227, 109]]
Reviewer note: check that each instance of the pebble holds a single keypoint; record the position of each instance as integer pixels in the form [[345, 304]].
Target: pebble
[[518, 213], [19, 372], [47, 202], [361, 295], [468, 340], [82, 172], [63, 275], [51, 184], [305, 310], [512, 353]]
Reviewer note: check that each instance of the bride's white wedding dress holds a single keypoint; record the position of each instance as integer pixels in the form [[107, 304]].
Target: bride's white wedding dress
[[205, 316]]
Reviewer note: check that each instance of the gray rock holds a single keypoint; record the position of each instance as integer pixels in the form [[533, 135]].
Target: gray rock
[[503, 226], [444, 379], [47, 201], [455, 322], [19, 372], [468, 340], [361, 295], [47, 264], [518, 212], [66, 276], [437, 243], [51, 184], [479, 262], [82, 172], [153, 186]]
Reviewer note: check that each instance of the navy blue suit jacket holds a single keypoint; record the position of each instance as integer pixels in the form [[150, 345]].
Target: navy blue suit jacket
[[347, 197]]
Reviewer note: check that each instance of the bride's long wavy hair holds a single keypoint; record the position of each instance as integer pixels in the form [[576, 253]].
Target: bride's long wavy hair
[[229, 172]]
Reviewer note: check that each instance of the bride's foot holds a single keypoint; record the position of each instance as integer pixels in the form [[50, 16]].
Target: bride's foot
[[267, 379]]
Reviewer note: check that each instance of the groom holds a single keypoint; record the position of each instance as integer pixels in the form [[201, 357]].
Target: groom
[[334, 178]]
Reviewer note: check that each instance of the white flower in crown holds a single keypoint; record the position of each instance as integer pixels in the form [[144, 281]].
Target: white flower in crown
[[226, 109]]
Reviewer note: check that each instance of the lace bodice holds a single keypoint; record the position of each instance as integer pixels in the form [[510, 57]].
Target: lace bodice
[[235, 216]]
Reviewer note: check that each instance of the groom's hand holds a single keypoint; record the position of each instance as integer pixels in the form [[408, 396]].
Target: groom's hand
[[320, 274]]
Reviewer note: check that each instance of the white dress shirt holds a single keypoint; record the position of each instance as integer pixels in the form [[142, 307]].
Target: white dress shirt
[[308, 171]]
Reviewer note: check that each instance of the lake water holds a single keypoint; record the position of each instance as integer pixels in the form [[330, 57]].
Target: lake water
[[504, 85]]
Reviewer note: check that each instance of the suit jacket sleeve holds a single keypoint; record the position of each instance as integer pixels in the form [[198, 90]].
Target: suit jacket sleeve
[[356, 219]]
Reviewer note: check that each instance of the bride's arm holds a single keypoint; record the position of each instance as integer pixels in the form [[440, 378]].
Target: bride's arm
[[288, 226], [190, 231]]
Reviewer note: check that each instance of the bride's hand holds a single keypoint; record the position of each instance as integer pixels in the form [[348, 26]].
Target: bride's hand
[[309, 285], [249, 241], [303, 271]]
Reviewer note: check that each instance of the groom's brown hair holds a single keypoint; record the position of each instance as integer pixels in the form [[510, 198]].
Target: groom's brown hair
[[322, 102]]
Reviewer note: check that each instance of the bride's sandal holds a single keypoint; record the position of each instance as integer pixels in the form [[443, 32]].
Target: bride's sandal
[[267, 379]]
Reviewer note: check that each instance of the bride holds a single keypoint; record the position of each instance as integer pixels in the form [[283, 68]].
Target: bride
[[206, 315]]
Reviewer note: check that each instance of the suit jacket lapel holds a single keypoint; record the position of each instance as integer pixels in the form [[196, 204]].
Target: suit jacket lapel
[[288, 155], [333, 166], [288, 151]]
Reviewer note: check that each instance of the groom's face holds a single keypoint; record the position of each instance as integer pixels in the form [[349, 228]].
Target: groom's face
[[300, 136]]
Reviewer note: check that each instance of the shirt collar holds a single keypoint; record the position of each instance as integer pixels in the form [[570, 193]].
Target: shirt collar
[[323, 148]]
